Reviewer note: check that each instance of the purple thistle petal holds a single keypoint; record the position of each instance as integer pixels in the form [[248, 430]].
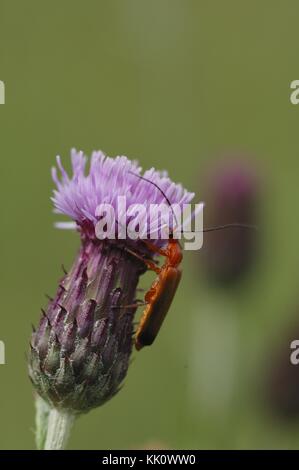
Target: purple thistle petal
[[79, 196]]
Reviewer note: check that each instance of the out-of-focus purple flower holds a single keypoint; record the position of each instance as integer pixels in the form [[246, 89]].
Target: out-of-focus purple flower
[[231, 195], [80, 351]]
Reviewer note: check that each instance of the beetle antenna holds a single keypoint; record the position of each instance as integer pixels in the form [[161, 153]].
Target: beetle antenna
[[208, 229], [223, 227], [161, 191], [232, 225]]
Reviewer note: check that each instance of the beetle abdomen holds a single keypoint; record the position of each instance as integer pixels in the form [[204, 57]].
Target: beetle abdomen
[[155, 312]]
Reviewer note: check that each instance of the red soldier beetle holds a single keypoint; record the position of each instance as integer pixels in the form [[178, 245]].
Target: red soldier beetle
[[159, 297], [161, 293]]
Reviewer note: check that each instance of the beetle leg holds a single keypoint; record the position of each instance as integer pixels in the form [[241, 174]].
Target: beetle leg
[[154, 248], [139, 304], [150, 264]]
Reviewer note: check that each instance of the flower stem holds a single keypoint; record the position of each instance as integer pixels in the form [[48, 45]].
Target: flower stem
[[41, 421], [59, 426]]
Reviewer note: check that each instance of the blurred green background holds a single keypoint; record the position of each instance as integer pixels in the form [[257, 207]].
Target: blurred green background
[[176, 84]]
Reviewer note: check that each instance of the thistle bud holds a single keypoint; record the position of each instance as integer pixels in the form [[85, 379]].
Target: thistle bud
[[81, 349], [231, 196]]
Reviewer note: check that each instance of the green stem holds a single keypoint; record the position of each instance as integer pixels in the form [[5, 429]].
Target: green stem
[[41, 421], [59, 426]]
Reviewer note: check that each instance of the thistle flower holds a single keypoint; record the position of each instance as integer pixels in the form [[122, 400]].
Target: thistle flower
[[231, 196], [81, 349]]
